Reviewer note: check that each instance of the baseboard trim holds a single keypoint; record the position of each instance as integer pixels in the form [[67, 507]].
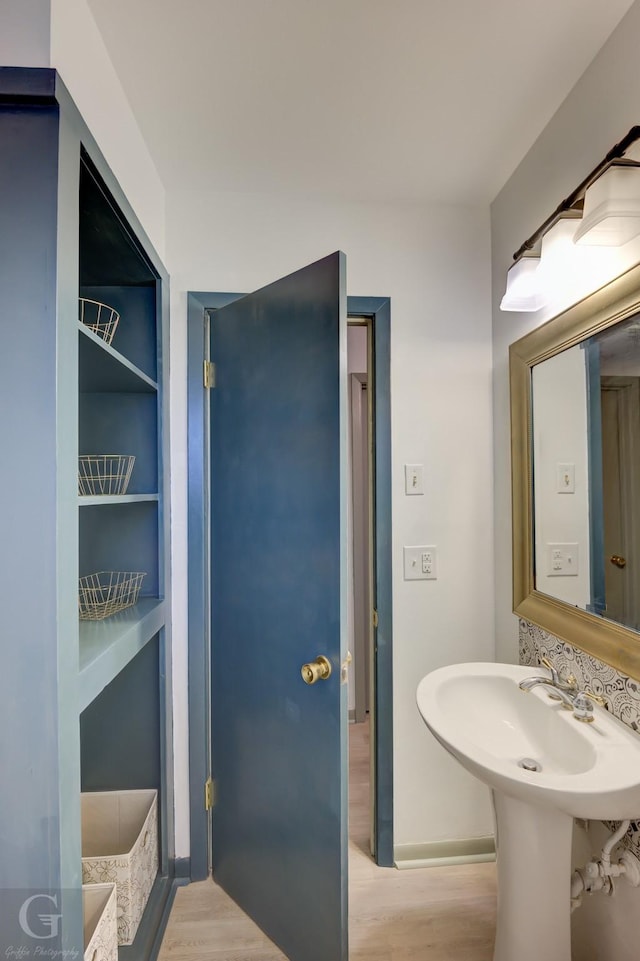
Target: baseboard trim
[[182, 869], [433, 854]]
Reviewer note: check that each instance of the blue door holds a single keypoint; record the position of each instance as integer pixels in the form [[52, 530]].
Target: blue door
[[278, 594]]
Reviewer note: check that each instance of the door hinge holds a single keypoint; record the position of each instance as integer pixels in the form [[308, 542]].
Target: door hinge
[[375, 618], [209, 794], [209, 375]]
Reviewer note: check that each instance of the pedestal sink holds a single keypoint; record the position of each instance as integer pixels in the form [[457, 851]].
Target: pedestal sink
[[498, 732]]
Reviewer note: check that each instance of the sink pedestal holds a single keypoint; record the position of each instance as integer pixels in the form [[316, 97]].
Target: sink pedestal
[[533, 845], [483, 718]]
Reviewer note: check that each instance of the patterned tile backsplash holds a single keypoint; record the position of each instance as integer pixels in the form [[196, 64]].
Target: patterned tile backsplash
[[622, 692]]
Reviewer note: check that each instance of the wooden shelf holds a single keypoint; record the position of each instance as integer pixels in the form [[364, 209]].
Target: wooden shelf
[[101, 500], [103, 370], [107, 646]]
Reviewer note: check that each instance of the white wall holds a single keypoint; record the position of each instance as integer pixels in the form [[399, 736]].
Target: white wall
[[602, 107], [599, 111], [434, 264], [25, 33]]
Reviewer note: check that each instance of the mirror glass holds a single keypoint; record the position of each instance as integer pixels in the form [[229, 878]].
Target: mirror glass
[[585, 460]]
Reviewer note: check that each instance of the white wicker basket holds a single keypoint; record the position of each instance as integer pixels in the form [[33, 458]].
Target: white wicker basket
[[104, 474], [100, 318], [105, 593]]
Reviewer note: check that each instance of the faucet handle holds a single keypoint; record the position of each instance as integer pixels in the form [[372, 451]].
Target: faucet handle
[[582, 706], [568, 681], [602, 701]]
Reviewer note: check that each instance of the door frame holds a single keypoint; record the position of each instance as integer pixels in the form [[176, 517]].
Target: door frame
[[200, 305], [594, 450], [361, 529]]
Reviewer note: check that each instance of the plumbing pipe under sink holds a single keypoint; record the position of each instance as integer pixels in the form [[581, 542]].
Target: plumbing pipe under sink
[[598, 875]]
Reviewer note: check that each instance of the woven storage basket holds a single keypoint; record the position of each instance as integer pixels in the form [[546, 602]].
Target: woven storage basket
[[100, 922], [120, 846]]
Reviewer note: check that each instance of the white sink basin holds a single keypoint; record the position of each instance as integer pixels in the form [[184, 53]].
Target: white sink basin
[[480, 715], [587, 770]]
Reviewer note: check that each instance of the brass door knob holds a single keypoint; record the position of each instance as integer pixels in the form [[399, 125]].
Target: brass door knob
[[318, 670], [618, 560]]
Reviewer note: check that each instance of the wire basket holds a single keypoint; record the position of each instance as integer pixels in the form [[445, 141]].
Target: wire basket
[[107, 592], [100, 318], [104, 474]]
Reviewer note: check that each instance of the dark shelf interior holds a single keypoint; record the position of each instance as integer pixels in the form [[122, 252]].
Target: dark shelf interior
[[102, 369], [122, 537], [120, 729], [135, 335], [109, 251], [125, 423]]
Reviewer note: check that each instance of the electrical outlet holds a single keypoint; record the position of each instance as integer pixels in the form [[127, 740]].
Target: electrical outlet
[[420, 563], [562, 560]]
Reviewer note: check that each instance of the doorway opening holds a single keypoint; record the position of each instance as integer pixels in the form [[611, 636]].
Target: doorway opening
[[372, 396], [361, 585]]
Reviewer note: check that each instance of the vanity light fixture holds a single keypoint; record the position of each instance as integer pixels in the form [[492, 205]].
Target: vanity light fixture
[[523, 288], [611, 215], [610, 208], [565, 267]]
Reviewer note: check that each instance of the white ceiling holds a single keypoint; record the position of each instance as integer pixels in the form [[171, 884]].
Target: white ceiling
[[402, 100]]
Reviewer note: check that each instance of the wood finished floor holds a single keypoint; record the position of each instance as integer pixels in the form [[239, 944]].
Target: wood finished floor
[[429, 914]]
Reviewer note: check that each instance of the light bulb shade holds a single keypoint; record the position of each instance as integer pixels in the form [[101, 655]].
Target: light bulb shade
[[558, 256], [567, 271], [523, 293], [611, 214]]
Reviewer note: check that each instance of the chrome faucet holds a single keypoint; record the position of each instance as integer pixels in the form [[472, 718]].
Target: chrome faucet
[[566, 691], [568, 684]]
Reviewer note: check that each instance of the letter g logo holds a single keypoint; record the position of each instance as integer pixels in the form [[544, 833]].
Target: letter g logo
[[48, 922]]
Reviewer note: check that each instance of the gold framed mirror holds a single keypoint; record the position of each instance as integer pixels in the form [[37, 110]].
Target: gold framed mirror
[[561, 568]]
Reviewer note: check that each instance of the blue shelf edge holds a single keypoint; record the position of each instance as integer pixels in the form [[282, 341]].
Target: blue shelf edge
[[100, 500], [107, 646], [147, 382]]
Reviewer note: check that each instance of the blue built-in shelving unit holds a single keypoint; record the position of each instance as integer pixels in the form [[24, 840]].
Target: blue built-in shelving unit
[[84, 705]]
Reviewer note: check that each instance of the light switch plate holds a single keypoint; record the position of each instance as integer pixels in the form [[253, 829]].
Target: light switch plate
[[566, 478], [413, 479]]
